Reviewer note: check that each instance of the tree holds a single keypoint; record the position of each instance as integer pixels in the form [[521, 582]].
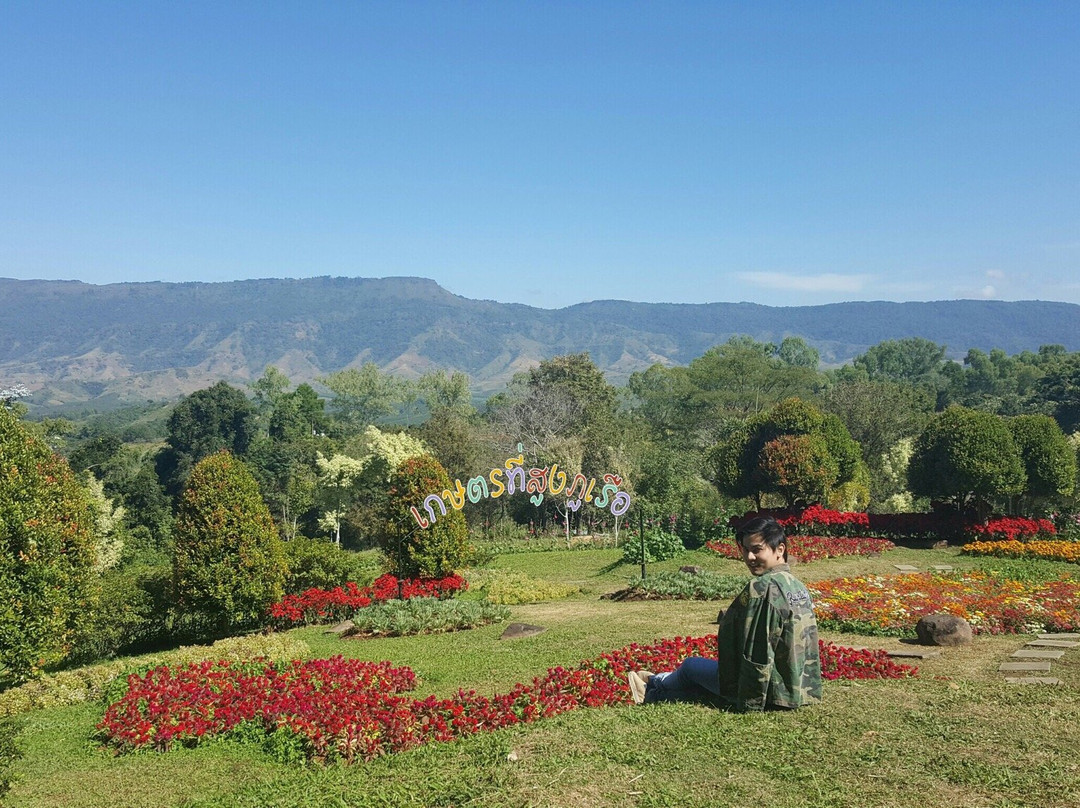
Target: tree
[[1049, 460], [228, 564], [352, 487], [794, 451], [298, 416], [442, 392], [879, 414], [1058, 391], [693, 406], [46, 552], [363, 396], [269, 389], [967, 457], [413, 551], [798, 467], [208, 421]]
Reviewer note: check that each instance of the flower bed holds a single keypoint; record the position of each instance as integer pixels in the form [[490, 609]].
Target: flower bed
[[1012, 528], [1049, 550], [892, 605], [354, 710], [340, 603], [815, 548]]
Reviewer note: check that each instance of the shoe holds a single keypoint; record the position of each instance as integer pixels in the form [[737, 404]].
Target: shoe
[[638, 681]]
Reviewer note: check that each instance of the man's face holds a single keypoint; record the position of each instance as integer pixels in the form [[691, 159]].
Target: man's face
[[759, 557]]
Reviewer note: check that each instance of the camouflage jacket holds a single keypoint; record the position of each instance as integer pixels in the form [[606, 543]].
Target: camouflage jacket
[[768, 645]]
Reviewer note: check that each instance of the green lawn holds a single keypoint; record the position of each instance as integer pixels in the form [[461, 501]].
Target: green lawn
[[958, 735]]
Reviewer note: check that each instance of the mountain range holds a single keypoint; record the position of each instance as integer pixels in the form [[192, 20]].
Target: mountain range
[[74, 343]]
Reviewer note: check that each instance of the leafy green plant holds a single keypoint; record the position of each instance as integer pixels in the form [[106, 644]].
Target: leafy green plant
[[415, 552], [91, 682], [509, 588], [320, 564], [47, 553], [660, 545], [132, 613], [9, 752], [703, 585], [228, 562], [399, 618]]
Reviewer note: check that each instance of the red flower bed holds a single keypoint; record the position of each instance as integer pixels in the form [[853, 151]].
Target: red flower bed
[[1011, 528], [340, 603], [354, 710], [814, 548]]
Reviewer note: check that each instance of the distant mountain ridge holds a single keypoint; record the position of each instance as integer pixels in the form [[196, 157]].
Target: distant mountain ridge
[[74, 342]]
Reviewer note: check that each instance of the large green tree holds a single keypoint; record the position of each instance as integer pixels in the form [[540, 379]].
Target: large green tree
[[793, 451], [47, 551], [228, 563], [1048, 458], [967, 457], [693, 407], [363, 395], [413, 551], [208, 421]]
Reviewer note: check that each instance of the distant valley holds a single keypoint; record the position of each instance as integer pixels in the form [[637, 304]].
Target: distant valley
[[76, 344]]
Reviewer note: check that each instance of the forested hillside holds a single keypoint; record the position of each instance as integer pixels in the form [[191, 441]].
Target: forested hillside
[[73, 342]]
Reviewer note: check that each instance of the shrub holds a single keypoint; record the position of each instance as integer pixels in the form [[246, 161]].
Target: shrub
[[320, 564], [9, 752], [415, 552], [228, 565], [1011, 528], [660, 545], [46, 553], [511, 588], [133, 612], [341, 602], [686, 586], [400, 618], [92, 682]]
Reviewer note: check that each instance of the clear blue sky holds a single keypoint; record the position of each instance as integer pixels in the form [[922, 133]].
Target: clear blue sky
[[549, 153]]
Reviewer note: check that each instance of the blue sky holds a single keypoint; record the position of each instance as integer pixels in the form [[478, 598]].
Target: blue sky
[[549, 153]]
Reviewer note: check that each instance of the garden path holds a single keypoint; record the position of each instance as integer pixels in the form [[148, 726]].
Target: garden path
[[1035, 658]]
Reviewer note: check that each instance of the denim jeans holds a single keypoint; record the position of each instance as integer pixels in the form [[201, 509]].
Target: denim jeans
[[696, 679]]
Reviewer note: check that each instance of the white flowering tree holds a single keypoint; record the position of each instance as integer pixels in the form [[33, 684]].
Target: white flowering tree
[[344, 481]]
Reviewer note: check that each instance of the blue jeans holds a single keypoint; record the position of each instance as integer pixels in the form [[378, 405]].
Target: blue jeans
[[696, 679]]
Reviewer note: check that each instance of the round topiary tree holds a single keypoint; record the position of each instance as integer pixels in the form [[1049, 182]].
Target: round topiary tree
[[413, 551], [793, 451], [46, 552], [967, 457], [228, 563], [1049, 460]]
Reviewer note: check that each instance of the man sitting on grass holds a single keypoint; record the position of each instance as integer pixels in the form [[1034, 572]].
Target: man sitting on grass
[[767, 643]]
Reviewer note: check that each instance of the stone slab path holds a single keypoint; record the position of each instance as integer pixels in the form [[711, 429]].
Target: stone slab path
[[1035, 657]]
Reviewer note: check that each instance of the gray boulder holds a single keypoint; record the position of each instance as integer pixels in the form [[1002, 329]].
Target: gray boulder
[[943, 629]]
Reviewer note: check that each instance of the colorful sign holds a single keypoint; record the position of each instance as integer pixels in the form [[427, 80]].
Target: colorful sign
[[513, 477]]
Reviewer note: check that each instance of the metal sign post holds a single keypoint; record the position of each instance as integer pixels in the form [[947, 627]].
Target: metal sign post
[[641, 532]]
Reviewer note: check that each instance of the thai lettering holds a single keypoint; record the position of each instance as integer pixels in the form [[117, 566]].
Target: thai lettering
[[477, 489], [497, 488], [430, 498], [537, 485], [620, 503], [514, 478], [456, 502], [552, 475], [578, 478], [605, 495], [419, 519]]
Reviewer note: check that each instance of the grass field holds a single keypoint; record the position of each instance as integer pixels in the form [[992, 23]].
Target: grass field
[[957, 735]]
